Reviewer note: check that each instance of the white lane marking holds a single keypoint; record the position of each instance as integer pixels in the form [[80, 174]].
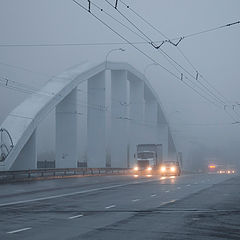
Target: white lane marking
[[111, 206], [167, 191], [178, 187], [190, 210], [153, 195], [165, 203], [19, 230], [77, 216], [74, 193], [188, 185], [136, 200]]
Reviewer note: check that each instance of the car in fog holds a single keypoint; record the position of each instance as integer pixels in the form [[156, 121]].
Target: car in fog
[[170, 168]]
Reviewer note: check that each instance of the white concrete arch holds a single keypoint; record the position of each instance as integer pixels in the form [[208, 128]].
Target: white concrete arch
[[23, 121]]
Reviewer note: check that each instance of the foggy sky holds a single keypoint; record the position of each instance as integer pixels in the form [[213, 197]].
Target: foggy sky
[[196, 124]]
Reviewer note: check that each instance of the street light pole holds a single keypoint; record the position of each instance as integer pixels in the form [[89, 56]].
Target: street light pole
[[112, 50]]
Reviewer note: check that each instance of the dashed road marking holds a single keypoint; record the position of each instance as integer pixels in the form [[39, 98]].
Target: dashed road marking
[[111, 206], [19, 230], [77, 216], [165, 203], [167, 191], [136, 200], [73, 193], [178, 187], [188, 185], [153, 195]]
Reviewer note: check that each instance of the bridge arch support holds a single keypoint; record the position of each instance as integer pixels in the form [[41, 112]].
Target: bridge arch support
[[123, 110]]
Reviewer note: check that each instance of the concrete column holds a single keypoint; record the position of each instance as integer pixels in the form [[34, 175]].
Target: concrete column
[[27, 158], [169, 149], [120, 119], [163, 133], [82, 123], [96, 122], [150, 117], [66, 132], [108, 118], [136, 114], [164, 140], [151, 111], [172, 153]]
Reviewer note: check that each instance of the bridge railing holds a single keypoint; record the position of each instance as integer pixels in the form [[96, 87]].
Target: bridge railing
[[51, 173]]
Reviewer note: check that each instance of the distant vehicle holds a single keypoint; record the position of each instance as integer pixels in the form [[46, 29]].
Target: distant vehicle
[[148, 158], [221, 168], [170, 168], [226, 171], [213, 168]]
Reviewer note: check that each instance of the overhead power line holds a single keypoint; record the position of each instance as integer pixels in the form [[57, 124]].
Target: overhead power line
[[179, 39], [167, 57], [91, 44], [217, 95], [159, 42], [19, 87], [145, 54], [68, 44], [128, 42], [211, 29]]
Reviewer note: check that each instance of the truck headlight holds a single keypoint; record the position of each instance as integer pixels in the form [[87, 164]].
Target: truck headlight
[[135, 168], [173, 169], [163, 169], [149, 169]]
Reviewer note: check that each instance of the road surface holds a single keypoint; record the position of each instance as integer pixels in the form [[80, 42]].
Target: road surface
[[200, 206]]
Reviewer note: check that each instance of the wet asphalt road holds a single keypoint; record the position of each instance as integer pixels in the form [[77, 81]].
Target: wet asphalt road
[[200, 206]]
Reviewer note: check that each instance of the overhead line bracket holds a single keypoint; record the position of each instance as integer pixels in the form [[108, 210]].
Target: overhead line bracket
[[116, 3], [176, 44], [89, 5]]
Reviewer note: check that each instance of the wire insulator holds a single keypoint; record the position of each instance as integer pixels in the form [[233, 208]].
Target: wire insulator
[[197, 75]]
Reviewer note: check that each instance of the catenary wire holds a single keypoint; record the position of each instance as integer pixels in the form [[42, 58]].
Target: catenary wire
[[146, 55], [161, 33]]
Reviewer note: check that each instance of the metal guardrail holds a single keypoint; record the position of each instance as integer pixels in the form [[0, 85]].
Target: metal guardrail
[[37, 174]]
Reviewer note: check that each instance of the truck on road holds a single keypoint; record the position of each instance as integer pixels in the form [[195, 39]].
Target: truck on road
[[148, 157]]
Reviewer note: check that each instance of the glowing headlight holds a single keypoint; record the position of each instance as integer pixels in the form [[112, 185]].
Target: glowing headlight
[[163, 169], [173, 169], [135, 168], [149, 169]]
